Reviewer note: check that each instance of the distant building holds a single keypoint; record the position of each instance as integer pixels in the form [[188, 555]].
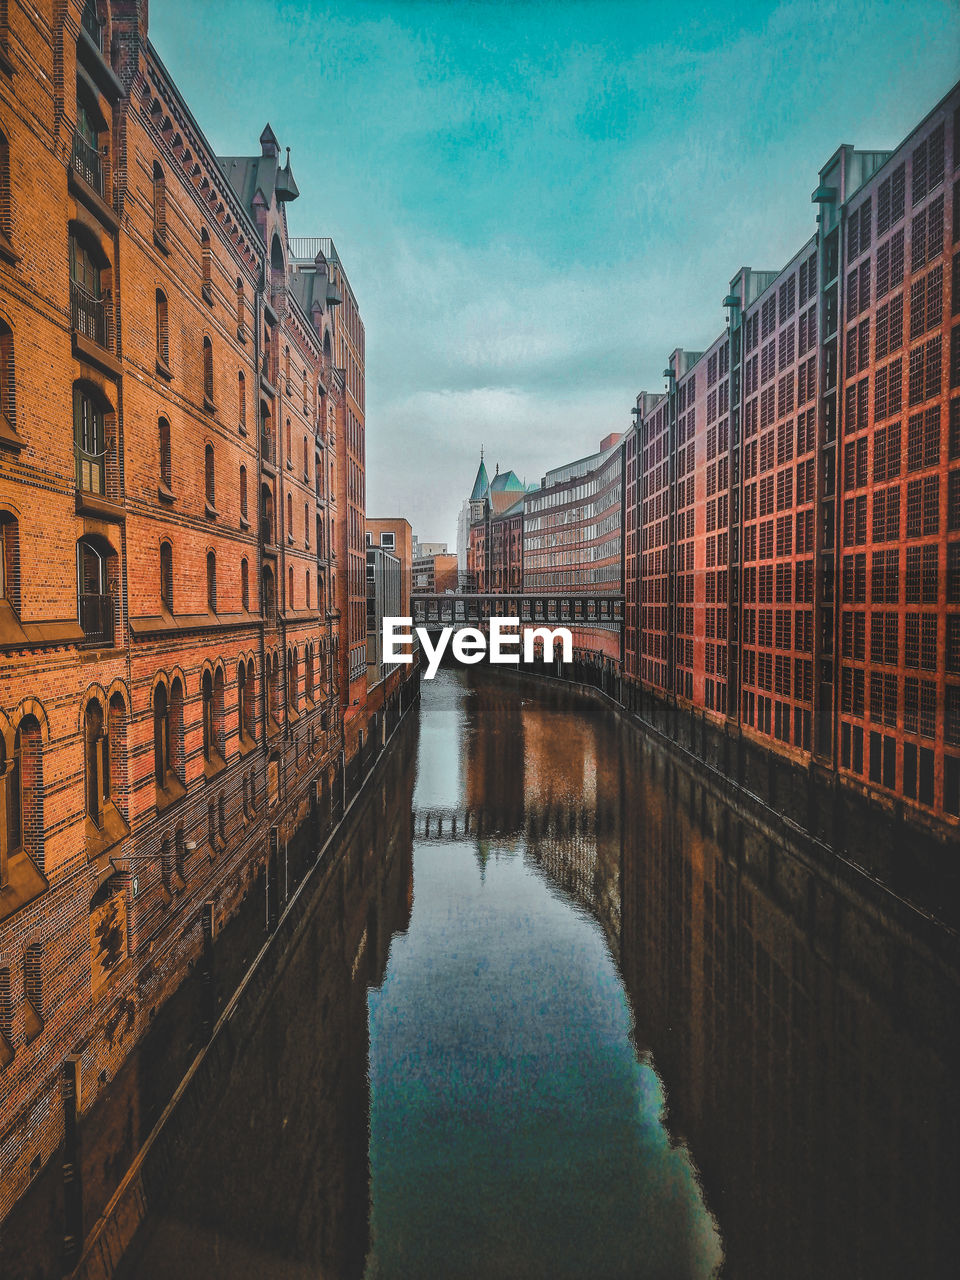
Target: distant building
[[394, 534], [489, 501], [384, 600]]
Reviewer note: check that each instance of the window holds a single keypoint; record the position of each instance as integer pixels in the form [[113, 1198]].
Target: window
[[168, 740], [242, 403], [289, 517], [8, 404], [166, 462], [206, 264], [212, 581], [163, 332], [290, 600], [209, 480], [86, 159], [89, 442], [10, 560], [97, 759], [209, 727], [166, 575], [308, 672], [33, 990], [245, 701], [293, 680], [244, 585], [307, 587], [23, 826], [388, 540], [243, 492], [6, 248], [94, 596], [269, 596], [87, 311], [207, 374], [159, 204], [241, 308]]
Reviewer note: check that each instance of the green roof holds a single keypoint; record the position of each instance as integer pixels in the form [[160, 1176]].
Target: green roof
[[506, 482], [481, 484]]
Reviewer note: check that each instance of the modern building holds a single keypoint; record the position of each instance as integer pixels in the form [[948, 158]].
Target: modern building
[[394, 534], [384, 600]]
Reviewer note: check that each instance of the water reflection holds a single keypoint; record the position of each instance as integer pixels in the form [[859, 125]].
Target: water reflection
[[616, 1031]]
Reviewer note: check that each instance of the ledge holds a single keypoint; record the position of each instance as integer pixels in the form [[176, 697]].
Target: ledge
[[94, 354], [214, 765], [169, 794], [99, 840], [150, 626], [92, 504], [6, 66], [208, 405], [206, 292], [165, 494], [8, 435], [160, 241], [93, 200], [25, 883], [7, 250], [163, 369], [267, 386], [210, 511]]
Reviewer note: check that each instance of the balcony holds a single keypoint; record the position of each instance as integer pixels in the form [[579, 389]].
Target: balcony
[[96, 619], [88, 314], [268, 452], [87, 163]]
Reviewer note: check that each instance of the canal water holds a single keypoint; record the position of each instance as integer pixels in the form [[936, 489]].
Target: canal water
[[558, 1011]]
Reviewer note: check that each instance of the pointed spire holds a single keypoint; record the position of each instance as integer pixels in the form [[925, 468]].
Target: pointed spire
[[481, 484], [269, 146], [287, 188]]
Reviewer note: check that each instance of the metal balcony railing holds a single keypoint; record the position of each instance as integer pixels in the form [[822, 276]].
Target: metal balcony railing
[[267, 450], [88, 314], [96, 618], [87, 163]]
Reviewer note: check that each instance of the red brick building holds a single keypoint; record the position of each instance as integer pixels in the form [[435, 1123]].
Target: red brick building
[[182, 572], [573, 539], [792, 520]]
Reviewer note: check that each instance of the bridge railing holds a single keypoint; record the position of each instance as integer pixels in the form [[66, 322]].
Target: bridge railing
[[467, 610]]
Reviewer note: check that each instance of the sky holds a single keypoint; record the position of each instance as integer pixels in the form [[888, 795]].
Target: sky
[[535, 203]]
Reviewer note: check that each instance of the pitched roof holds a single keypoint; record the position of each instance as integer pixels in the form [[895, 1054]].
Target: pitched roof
[[506, 482]]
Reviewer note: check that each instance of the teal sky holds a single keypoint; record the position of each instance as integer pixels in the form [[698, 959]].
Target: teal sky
[[536, 202]]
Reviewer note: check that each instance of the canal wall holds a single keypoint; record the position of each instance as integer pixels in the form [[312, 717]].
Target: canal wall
[[876, 844]]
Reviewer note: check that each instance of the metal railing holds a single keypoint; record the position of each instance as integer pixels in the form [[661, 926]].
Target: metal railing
[[88, 314], [267, 451], [96, 618], [87, 163]]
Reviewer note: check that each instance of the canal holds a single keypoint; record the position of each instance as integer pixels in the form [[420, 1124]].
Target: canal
[[560, 1010]]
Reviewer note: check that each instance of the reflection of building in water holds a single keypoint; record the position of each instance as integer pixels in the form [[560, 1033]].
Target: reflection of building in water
[[278, 1181], [804, 1039], [494, 751]]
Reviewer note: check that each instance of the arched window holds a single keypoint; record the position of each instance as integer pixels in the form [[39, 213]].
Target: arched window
[[307, 586], [89, 441], [207, 373], [10, 560], [241, 308], [163, 331], [206, 264], [289, 444], [306, 526], [267, 520], [94, 594], [8, 388], [243, 491], [267, 442], [209, 477], [290, 602], [159, 203], [242, 403], [293, 693], [166, 456], [306, 471], [319, 537], [308, 664], [244, 708], [162, 755], [209, 729], [87, 311], [97, 757], [289, 517], [273, 692], [269, 596], [212, 581], [168, 741], [166, 575], [244, 584]]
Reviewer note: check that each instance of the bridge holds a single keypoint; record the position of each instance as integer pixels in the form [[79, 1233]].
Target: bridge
[[537, 609], [535, 822]]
